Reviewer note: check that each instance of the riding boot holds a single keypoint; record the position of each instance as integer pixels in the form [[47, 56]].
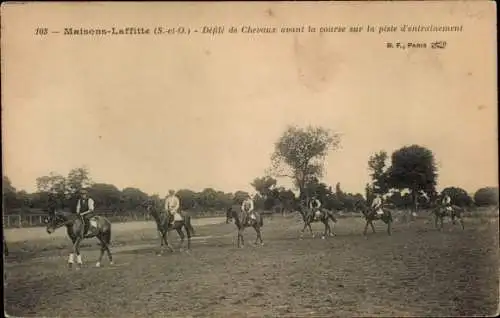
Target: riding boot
[[86, 224]]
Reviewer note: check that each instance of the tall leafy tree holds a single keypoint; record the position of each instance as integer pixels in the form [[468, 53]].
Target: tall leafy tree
[[300, 153], [413, 167]]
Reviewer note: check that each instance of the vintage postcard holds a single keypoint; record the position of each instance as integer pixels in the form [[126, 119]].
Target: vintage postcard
[[250, 159]]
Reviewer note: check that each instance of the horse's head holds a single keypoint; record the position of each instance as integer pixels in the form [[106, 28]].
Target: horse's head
[[55, 220], [229, 215], [150, 206]]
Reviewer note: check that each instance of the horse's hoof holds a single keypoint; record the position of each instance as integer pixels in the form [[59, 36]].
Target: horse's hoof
[[98, 264], [323, 237], [111, 263]]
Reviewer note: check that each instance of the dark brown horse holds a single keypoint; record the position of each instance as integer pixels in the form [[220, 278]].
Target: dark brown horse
[[308, 217], [371, 215], [242, 220], [166, 222], [98, 227], [440, 212]]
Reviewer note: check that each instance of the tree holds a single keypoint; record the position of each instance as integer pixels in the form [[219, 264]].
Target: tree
[[413, 167], [77, 179], [369, 194], [299, 154], [9, 193], [486, 196], [264, 185], [378, 172], [458, 196], [207, 199], [239, 197], [106, 195], [187, 198], [133, 198], [53, 189]]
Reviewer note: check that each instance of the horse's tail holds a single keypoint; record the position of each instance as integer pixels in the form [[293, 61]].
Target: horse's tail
[[190, 226], [332, 216], [261, 221]]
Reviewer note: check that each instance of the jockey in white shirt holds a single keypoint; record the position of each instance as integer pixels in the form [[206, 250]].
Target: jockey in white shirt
[[248, 207], [446, 202], [172, 206], [315, 206], [377, 204]]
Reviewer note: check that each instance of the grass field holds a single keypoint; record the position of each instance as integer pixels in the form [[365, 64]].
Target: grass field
[[417, 272]]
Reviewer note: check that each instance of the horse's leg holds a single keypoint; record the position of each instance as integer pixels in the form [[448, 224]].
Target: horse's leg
[[310, 229], [327, 229], [332, 228], [160, 235], [103, 248], [189, 234], [436, 220], [240, 237], [302, 232], [389, 223], [165, 238], [161, 238], [76, 247], [71, 258], [366, 228], [259, 235], [373, 227], [181, 235], [107, 241]]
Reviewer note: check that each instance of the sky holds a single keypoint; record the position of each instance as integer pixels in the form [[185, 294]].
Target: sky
[[205, 110]]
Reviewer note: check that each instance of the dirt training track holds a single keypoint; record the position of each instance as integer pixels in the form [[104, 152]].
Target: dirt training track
[[419, 271]]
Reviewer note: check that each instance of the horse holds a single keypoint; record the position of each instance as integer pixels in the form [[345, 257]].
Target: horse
[[98, 227], [164, 224], [440, 212], [243, 220], [308, 217], [371, 215]]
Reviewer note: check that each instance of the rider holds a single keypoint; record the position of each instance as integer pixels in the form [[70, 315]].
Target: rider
[[446, 202], [172, 205], [248, 207], [315, 206], [85, 207], [377, 204]]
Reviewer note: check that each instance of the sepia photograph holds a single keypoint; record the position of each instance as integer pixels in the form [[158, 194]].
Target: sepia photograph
[[250, 159]]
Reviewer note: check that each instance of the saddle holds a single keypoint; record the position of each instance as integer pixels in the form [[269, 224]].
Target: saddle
[[317, 214], [173, 217], [88, 223]]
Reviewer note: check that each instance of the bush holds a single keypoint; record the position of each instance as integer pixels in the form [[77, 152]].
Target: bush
[[486, 196], [458, 196]]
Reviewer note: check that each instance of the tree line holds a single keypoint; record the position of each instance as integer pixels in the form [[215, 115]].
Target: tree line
[[299, 154]]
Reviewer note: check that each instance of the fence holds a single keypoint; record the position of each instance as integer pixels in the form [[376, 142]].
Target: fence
[[37, 219]]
